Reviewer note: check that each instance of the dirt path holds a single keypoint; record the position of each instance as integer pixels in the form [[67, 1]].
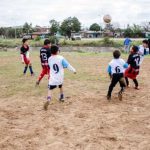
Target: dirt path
[[86, 121]]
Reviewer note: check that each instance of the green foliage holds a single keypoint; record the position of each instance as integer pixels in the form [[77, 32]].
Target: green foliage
[[27, 28], [38, 38], [95, 27], [54, 26], [54, 39], [69, 25], [134, 31], [107, 42]]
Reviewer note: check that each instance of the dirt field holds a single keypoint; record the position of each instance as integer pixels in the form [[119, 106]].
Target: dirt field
[[86, 121]]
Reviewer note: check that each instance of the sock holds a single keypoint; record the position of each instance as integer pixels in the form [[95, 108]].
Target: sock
[[25, 69], [61, 96], [48, 98], [31, 71]]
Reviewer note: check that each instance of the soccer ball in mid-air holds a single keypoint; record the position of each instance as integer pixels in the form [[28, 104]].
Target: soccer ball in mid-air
[[107, 18]]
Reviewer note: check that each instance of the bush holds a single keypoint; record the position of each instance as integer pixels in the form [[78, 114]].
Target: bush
[[54, 39], [38, 38], [107, 42]]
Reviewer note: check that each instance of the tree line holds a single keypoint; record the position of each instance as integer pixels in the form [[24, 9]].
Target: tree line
[[72, 24]]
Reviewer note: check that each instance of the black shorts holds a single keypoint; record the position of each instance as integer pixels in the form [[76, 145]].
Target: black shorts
[[51, 87]]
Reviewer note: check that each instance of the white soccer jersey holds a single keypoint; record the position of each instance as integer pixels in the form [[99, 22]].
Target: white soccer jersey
[[117, 66], [57, 64], [141, 52]]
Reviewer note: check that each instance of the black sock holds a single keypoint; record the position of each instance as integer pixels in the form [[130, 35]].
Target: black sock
[[135, 82], [31, 71], [25, 69]]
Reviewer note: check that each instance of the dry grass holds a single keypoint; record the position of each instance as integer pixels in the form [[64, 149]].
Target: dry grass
[[86, 121]]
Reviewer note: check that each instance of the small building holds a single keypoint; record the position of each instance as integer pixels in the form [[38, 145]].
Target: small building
[[91, 34], [43, 32]]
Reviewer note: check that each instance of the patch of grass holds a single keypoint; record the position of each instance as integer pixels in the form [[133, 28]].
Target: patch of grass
[[105, 42]]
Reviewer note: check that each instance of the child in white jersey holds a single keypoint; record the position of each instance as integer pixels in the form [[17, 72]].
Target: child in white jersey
[[57, 64], [116, 70], [143, 50]]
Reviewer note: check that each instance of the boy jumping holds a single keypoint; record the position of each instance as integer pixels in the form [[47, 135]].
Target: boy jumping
[[57, 64], [116, 70]]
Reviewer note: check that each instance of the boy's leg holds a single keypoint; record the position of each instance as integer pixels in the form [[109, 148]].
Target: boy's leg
[[25, 69], [112, 85], [127, 81], [41, 76], [61, 93], [49, 97], [136, 84], [122, 85], [31, 70]]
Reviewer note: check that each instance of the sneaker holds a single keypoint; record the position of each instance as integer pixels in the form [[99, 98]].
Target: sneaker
[[120, 96], [108, 97], [61, 99], [137, 88], [46, 105], [37, 83], [128, 86], [33, 74]]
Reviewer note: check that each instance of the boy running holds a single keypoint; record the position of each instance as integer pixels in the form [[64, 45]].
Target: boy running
[[45, 53], [57, 64], [116, 70], [134, 66], [24, 51]]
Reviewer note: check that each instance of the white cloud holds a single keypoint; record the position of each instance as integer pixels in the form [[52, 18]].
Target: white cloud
[[39, 12]]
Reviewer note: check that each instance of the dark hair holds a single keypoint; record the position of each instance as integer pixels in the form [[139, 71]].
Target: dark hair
[[116, 54], [24, 40], [135, 49], [47, 41], [54, 49], [145, 41]]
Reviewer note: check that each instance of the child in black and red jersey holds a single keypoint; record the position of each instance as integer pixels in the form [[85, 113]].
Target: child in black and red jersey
[[45, 53], [134, 66], [24, 51]]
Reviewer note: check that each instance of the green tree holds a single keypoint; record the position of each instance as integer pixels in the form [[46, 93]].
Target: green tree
[[70, 25], [54, 26], [137, 31], [95, 27], [27, 28]]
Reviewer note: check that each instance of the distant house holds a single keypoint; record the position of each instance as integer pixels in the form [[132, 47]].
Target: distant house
[[43, 32], [91, 34]]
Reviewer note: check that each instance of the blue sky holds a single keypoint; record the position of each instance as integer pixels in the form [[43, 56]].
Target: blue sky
[[39, 12]]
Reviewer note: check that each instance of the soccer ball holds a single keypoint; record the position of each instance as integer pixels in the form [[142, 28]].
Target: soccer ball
[[107, 18]]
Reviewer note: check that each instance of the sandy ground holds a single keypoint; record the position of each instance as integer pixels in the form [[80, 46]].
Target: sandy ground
[[86, 121]]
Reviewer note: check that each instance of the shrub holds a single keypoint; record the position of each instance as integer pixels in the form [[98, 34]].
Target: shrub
[[38, 38], [54, 39]]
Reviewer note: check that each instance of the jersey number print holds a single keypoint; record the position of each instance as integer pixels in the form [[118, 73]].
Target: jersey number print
[[137, 61], [44, 57], [117, 69], [56, 68]]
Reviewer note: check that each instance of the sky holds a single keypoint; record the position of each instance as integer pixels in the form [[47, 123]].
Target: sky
[[39, 12]]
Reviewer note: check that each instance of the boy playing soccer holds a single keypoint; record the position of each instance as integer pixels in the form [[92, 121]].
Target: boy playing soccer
[[45, 53], [116, 71], [143, 50], [57, 64], [24, 51], [134, 66]]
